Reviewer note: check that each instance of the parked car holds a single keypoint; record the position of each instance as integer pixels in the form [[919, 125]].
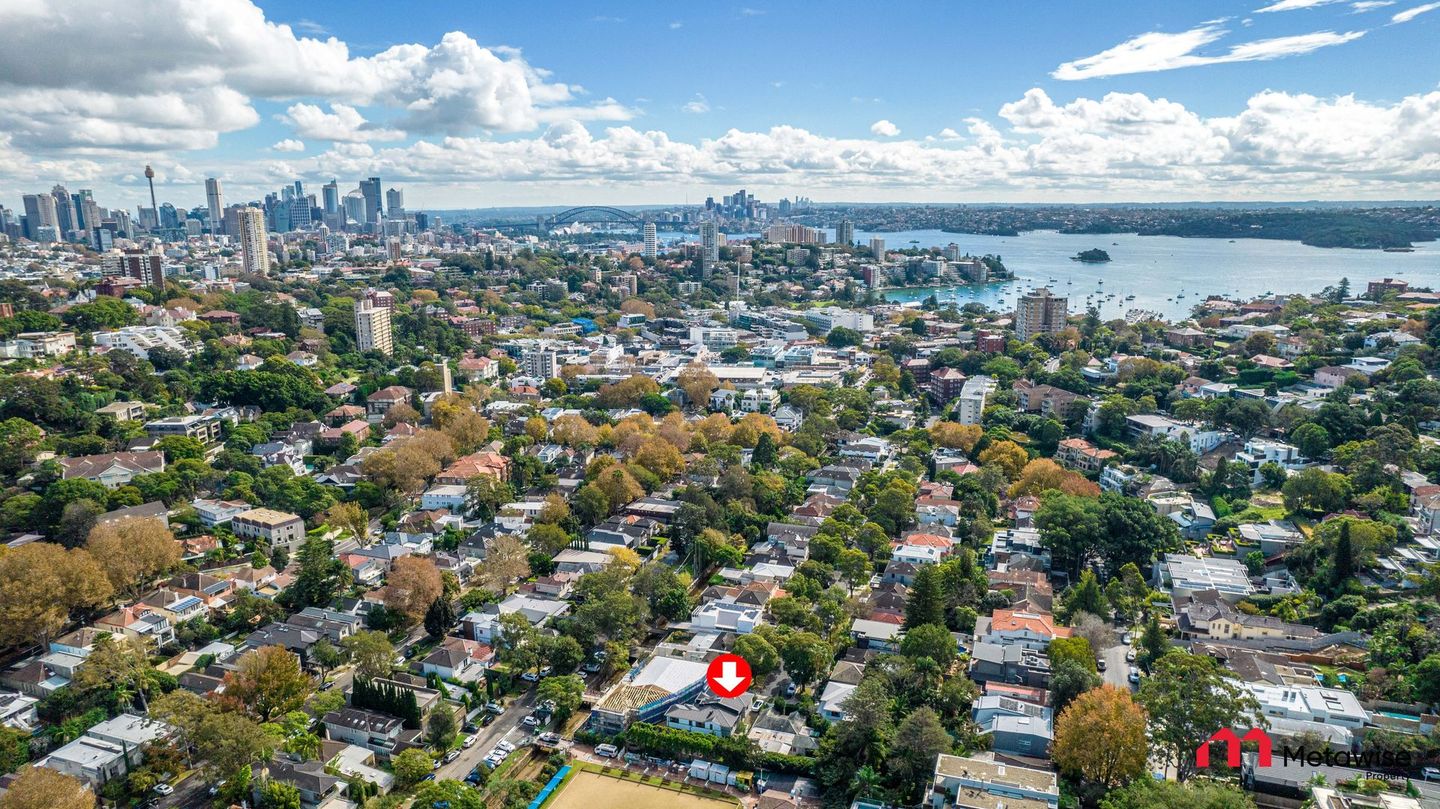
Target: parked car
[[435, 765], [1130, 656], [592, 668], [546, 671], [474, 776], [1128, 638], [468, 743], [607, 750], [1430, 773], [530, 721], [163, 789], [530, 677], [486, 720], [451, 756], [505, 746], [1100, 664], [471, 727], [495, 707], [1134, 675]]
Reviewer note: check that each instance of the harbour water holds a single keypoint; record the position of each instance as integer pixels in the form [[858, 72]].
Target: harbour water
[[1164, 274]]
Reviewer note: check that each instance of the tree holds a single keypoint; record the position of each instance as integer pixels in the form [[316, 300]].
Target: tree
[[1153, 643], [44, 788], [1043, 474], [759, 653], [119, 664], [439, 617], [1188, 698], [19, 440], [930, 640], [919, 739], [278, 795], [267, 682], [371, 652], [1086, 596], [411, 766], [565, 690], [1068, 680], [448, 793], [548, 539], [133, 552], [1316, 491], [765, 452], [1100, 737], [44, 584], [321, 576], [440, 728], [350, 518], [506, 560], [325, 656], [1008, 456], [1075, 650], [806, 656], [1426, 675], [14, 748], [411, 586], [698, 383], [1312, 439], [925, 603], [1147, 793], [854, 567], [227, 741]]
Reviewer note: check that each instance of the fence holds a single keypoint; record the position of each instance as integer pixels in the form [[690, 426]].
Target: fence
[[550, 787]]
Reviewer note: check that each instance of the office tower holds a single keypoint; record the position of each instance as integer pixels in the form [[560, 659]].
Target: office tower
[[395, 203], [330, 198], [254, 255], [300, 213], [299, 190], [144, 266], [1040, 312], [845, 233], [355, 207], [64, 211], [651, 245], [372, 328], [84, 201], [150, 180], [102, 239], [168, 216], [39, 213], [392, 247], [370, 190], [709, 248], [877, 248], [215, 201]]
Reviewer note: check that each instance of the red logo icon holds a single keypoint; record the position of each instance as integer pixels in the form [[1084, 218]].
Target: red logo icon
[[728, 676], [1232, 747]]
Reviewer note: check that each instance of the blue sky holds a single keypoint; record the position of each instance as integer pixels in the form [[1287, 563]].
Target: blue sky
[[550, 102]]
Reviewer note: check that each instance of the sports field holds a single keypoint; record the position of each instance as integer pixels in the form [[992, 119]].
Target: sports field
[[588, 790]]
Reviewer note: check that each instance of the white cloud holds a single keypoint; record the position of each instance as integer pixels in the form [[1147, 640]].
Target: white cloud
[[342, 123], [196, 65], [1156, 51], [1370, 5], [949, 134], [884, 129], [676, 24], [697, 105], [1294, 5], [288, 145], [1119, 146], [1411, 13]]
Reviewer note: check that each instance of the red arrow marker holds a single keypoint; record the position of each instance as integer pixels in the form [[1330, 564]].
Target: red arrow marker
[[728, 676]]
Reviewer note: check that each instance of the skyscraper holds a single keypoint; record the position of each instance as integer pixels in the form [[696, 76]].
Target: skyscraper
[[215, 201], [1040, 312], [877, 248], [709, 248], [651, 244], [395, 202], [370, 190], [64, 211], [845, 233], [254, 250], [372, 328], [87, 213], [354, 203], [330, 198], [40, 224]]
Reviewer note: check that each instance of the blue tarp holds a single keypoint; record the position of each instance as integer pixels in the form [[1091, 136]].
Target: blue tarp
[[550, 787]]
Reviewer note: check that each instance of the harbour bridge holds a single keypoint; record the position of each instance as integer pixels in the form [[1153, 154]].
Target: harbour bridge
[[587, 213]]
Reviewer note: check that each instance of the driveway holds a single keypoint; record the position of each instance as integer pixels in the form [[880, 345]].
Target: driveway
[[1117, 670], [506, 726]]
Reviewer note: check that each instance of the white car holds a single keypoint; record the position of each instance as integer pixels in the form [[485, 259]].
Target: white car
[[1134, 675], [505, 746], [451, 756], [469, 742], [530, 677], [163, 789], [530, 721]]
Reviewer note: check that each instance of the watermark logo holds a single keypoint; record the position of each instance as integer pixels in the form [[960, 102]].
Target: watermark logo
[[1232, 747], [1296, 755]]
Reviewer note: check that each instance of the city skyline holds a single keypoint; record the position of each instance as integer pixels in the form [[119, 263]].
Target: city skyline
[[1288, 100]]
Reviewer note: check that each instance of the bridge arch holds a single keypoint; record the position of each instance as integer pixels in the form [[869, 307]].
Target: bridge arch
[[592, 213]]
